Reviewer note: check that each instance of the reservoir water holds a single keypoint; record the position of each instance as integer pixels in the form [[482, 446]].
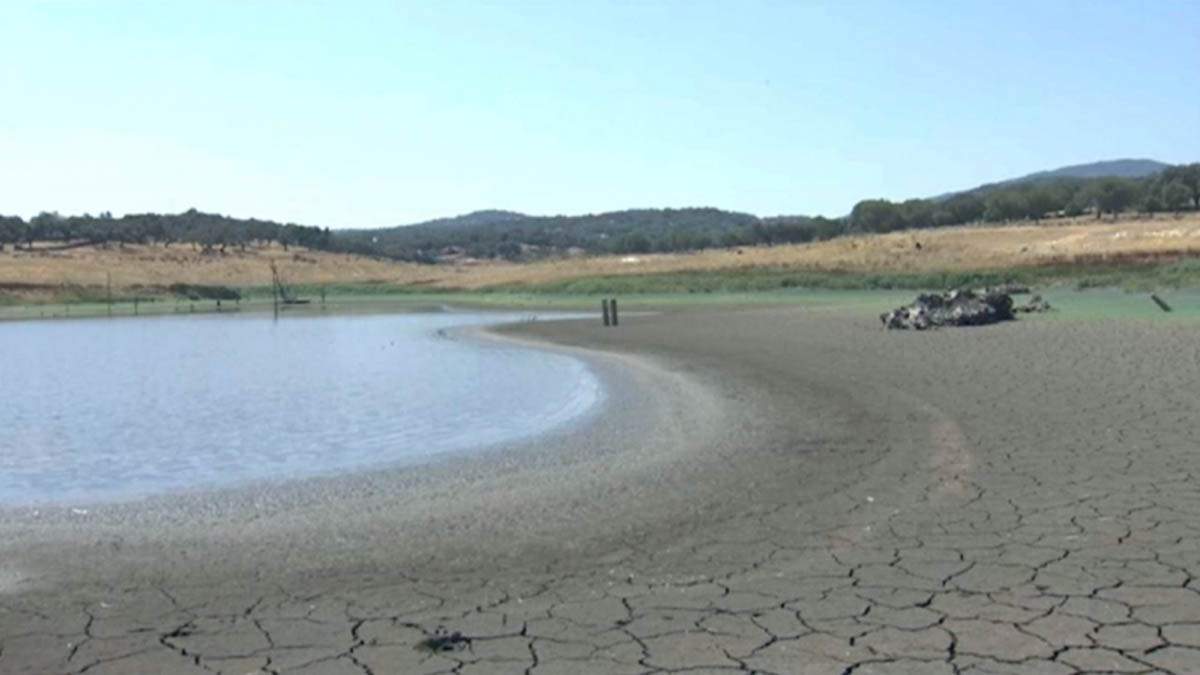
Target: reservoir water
[[101, 410]]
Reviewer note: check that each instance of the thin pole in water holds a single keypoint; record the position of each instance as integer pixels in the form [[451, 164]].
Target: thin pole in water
[[604, 310], [275, 288], [614, 312]]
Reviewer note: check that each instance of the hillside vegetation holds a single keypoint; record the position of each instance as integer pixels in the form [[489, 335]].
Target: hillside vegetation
[[1102, 188], [505, 235], [1095, 223], [1061, 249], [1074, 249]]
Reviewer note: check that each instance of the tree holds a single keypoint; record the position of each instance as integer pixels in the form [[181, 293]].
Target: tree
[[45, 226], [916, 213], [634, 242], [1041, 201], [12, 231], [958, 210], [875, 215], [1004, 206], [1114, 195], [1175, 196], [1151, 202], [1187, 175]]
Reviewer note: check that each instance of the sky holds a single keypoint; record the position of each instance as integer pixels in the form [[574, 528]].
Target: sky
[[373, 114]]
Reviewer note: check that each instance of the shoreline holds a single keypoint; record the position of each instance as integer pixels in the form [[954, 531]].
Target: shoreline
[[415, 496], [1011, 498]]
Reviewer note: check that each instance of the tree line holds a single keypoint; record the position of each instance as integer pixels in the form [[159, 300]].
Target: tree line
[[203, 231], [1174, 189], [514, 236]]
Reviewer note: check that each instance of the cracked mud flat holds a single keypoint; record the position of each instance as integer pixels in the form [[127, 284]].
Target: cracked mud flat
[[802, 495]]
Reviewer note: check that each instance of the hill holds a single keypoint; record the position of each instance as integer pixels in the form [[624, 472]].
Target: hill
[[1115, 168], [1071, 190], [513, 236], [1112, 168], [472, 219]]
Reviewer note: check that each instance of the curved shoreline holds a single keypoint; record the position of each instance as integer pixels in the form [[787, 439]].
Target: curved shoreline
[[428, 506]]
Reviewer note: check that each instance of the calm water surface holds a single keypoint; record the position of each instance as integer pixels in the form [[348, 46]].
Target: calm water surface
[[115, 409]]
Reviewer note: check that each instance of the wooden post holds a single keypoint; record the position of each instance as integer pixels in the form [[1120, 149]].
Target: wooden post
[[136, 299], [275, 288], [1160, 302], [604, 310], [614, 312], [109, 274]]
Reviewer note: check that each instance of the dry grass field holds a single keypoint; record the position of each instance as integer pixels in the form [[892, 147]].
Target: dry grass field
[[38, 273], [32, 275], [912, 251]]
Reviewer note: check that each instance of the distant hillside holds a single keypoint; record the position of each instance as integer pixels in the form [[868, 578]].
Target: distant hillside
[[515, 236], [473, 219], [1112, 168], [504, 234]]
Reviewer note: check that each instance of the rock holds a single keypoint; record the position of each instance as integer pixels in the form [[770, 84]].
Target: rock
[[444, 641], [954, 308]]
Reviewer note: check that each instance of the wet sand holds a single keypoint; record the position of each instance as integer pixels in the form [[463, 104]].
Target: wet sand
[[770, 490]]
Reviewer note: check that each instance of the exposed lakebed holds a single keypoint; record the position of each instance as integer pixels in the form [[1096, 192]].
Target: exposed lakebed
[[102, 410]]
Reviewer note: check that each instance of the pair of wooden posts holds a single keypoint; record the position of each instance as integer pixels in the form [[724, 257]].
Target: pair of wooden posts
[[609, 309]]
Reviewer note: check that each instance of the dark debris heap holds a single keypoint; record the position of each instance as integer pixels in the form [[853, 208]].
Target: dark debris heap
[[962, 308]]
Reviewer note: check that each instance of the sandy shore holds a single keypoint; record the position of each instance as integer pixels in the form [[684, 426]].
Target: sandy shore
[[770, 490]]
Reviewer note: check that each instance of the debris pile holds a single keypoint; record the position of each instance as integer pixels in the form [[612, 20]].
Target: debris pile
[[962, 308]]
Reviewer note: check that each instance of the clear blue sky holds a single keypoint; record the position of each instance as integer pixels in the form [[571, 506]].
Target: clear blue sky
[[364, 114]]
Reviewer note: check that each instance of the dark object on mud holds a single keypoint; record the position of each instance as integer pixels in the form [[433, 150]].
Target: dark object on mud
[[443, 641], [954, 308], [1162, 304], [963, 308], [609, 310]]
